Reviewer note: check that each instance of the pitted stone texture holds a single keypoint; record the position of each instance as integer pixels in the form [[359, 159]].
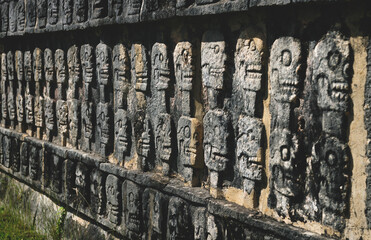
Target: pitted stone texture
[[113, 195]]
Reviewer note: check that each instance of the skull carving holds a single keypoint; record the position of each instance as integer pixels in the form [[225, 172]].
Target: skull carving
[[178, 219], [134, 7], [213, 59], [41, 12], [113, 194], [86, 55], [332, 72], [163, 136], [56, 163], [183, 63], [190, 134], [4, 16], [67, 11], [96, 191], [120, 75], [134, 206], [21, 15], [73, 120], [34, 162], [81, 180], [80, 10], [12, 16], [23, 152], [87, 117], [284, 164], [73, 63], [60, 66], [49, 71], [160, 66], [6, 152], [215, 140], [122, 125], [31, 13], [248, 149], [62, 116], [99, 9], [102, 53], [53, 11], [139, 67], [285, 65], [103, 120]]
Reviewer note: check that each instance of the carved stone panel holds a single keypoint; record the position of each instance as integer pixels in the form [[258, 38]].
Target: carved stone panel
[[11, 89], [23, 152], [15, 149], [60, 69], [332, 72], [199, 223], [6, 151], [4, 84], [155, 211], [20, 91], [56, 173], [12, 16], [113, 195], [97, 191], [34, 157], [103, 68], [213, 59], [115, 8], [21, 15], [62, 119], [184, 73], [67, 7], [163, 142], [213, 231], [41, 13], [99, 9], [73, 63], [87, 64], [285, 64], [139, 67], [82, 183], [53, 11], [134, 7], [216, 136], [120, 63], [333, 179], [29, 101], [249, 141], [104, 129], [39, 100], [73, 121], [122, 135], [4, 20], [31, 13], [80, 10], [145, 146], [190, 132], [133, 208], [248, 65], [87, 130], [179, 219]]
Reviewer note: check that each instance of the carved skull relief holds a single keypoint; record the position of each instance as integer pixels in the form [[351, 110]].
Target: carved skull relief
[[113, 193], [120, 65], [285, 65], [139, 66], [160, 66], [53, 11], [163, 136], [134, 206], [184, 66]]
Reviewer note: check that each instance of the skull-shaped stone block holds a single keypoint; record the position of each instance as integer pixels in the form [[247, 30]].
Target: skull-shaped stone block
[[139, 66], [160, 66], [113, 195]]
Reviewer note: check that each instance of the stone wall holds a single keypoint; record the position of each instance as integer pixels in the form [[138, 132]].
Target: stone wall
[[154, 121]]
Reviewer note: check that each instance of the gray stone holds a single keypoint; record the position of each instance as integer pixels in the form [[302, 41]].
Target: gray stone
[[82, 183], [23, 158], [163, 142], [133, 207], [249, 149], [53, 11], [20, 90], [120, 64], [41, 13], [179, 219], [216, 136], [122, 135], [67, 6], [113, 195], [4, 83], [99, 8], [56, 173], [97, 191], [213, 59], [21, 15], [12, 16], [31, 13], [4, 10], [29, 99], [199, 223], [11, 89], [39, 99], [6, 151], [139, 67], [80, 11]]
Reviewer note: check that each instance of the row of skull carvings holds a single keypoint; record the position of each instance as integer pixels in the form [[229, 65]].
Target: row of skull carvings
[[330, 75], [121, 204], [18, 15]]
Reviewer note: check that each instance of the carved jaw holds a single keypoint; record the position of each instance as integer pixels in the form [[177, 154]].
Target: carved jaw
[[215, 159], [134, 221], [20, 110], [187, 77], [142, 79], [215, 76], [163, 75], [88, 74], [253, 77], [88, 127], [104, 75], [332, 95]]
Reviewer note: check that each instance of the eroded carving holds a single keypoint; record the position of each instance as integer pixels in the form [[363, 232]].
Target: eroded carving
[[80, 12], [96, 191], [134, 7], [29, 99], [99, 8], [4, 86], [178, 219], [41, 13], [199, 223], [190, 132], [163, 140], [216, 136], [249, 151], [120, 61], [133, 202], [82, 182], [4, 20], [61, 105], [11, 89], [122, 134], [113, 195], [21, 15], [39, 99], [12, 16], [67, 11], [49, 94], [34, 158], [31, 13], [20, 90], [15, 158], [139, 66], [6, 151], [23, 152], [56, 173], [53, 11], [213, 59]]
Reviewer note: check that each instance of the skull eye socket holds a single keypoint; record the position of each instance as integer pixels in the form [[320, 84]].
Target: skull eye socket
[[161, 57], [334, 59], [331, 158], [187, 132], [252, 45], [131, 198], [286, 58]]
